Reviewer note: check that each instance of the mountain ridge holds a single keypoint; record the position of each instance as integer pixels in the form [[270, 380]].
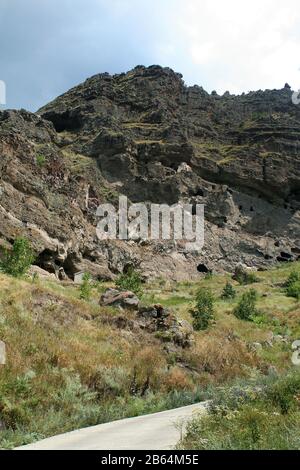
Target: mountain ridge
[[147, 135]]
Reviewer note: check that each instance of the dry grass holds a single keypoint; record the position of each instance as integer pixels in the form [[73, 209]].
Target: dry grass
[[68, 368]]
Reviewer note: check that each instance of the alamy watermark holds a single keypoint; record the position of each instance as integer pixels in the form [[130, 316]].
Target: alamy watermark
[[2, 93], [143, 221]]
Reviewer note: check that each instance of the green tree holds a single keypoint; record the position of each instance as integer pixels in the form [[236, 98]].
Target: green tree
[[293, 277], [293, 290], [203, 312], [18, 260], [131, 280], [86, 287], [228, 292]]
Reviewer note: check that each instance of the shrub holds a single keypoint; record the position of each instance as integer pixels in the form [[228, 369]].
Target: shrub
[[245, 278], [131, 280], [86, 287], [292, 285], [228, 292], [203, 313], [261, 414], [18, 260], [246, 310], [292, 279], [284, 392], [293, 290], [40, 160]]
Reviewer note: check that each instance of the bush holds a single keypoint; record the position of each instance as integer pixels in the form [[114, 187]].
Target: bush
[[18, 260], [246, 310], [285, 393], [203, 313], [261, 414], [40, 160], [228, 292], [292, 279], [292, 285], [131, 280], [245, 278], [86, 287], [294, 290]]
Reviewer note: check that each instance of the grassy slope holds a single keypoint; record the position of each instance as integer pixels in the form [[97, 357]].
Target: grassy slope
[[67, 368]]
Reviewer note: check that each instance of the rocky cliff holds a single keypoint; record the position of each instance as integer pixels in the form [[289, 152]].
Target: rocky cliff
[[147, 135]]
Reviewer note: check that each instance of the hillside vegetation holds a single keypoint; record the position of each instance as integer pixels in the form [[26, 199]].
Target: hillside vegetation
[[70, 365]]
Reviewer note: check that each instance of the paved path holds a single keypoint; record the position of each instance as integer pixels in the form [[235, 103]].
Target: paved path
[[158, 431]]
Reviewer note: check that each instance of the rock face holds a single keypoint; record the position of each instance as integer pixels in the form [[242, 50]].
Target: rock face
[[163, 322], [148, 136], [155, 320]]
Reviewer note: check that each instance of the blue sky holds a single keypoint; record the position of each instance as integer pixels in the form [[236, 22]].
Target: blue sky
[[48, 46]]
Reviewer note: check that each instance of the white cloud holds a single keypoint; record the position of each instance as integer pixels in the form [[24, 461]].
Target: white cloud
[[239, 45]]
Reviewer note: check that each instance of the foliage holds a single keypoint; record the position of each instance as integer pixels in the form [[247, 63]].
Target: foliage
[[293, 277], [203, 312], [245, 278], [294, 290], [131, 280], [246, 310], [259, 415], [18, 260], [228, 292], [40, 160], [292, 285], [86, 287]]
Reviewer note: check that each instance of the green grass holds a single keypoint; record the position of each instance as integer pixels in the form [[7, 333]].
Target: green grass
[[68, 367], [258, 415]]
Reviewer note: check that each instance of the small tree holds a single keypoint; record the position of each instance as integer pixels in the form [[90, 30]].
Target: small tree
[[228, 292], [292, 285], [86, 287], [131, 280], [18, 260], [293, 277], [203, 313], [246, 309], [293, 290]]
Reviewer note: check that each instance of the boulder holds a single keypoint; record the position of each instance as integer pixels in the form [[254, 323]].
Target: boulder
[[41, 273], [121, 299], [163, 322]]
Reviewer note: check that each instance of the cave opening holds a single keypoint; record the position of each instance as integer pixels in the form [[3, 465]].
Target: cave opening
[[199, 192], [64, 122], [46, 261], [202, 268], [283, 254]]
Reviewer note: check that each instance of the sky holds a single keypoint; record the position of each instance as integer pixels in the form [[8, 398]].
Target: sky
[[49, 46]]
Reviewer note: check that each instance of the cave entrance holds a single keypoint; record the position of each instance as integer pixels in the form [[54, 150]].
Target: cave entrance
[[202, 268]]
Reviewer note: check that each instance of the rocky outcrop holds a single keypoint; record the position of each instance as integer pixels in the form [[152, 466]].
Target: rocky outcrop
[[163, 322], [155, 320], [123, 299], [148, 136]]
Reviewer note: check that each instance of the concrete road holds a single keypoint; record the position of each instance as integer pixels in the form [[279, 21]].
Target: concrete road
[[158, 431]]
